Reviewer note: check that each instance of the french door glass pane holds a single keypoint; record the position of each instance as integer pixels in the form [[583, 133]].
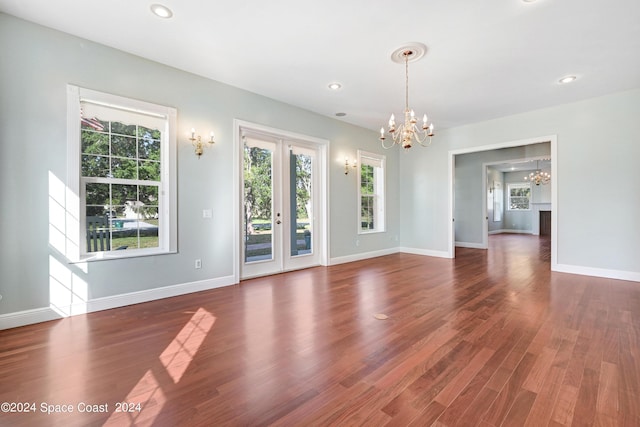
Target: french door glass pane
[[258, 195], [301, 204]]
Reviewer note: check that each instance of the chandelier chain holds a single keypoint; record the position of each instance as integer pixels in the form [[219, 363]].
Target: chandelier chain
[[406, 80]]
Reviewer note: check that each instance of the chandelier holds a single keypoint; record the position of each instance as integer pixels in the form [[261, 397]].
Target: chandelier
[[538, 177], [408, 132]]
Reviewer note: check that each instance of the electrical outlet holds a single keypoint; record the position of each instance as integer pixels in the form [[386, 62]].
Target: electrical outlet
[[357, 242], [198, 263]]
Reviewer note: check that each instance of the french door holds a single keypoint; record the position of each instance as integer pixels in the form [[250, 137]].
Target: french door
[[279, 202]]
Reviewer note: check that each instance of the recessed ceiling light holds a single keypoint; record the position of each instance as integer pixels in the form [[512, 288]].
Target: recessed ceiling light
[[161, 11], [335, 86], [529, 1], [567, 79]]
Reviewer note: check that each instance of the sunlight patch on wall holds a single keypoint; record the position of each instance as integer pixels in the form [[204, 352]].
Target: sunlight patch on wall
[[68, 293], [64, 226], [57, 214]]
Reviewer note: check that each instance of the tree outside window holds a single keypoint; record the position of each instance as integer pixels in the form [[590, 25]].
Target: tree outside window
[[120, 169], [371, 194], [519, 197]]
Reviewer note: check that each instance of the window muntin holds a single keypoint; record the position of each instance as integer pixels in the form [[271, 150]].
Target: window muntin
[[371, 192], [125, 152], [120, 172], [519, 197]]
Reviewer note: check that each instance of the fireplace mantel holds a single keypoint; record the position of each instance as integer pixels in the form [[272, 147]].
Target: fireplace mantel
[[537, 207]]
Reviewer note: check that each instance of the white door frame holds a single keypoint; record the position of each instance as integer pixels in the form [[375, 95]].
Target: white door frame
[[553, 139], [322, 210]]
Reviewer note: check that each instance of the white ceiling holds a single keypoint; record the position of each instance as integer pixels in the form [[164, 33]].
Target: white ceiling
[[525, 165], [485, 59]]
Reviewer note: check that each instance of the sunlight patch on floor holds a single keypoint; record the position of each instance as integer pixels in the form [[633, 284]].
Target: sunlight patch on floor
[[175, 359], [179, 354]]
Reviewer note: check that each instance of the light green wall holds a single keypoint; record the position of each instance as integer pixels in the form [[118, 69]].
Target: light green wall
[[597, 179], [36, 65]]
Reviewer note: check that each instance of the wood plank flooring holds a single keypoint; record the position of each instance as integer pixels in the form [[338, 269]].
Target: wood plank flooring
[[492, 338]]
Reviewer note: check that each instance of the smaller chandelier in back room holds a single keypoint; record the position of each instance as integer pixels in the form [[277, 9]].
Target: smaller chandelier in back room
[[538, 177], [408, 132]]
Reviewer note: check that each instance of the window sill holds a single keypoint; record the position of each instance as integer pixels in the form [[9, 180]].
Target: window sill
[[371, 231], [115, 255]]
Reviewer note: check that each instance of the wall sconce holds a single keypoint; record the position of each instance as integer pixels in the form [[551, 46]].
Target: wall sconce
[[197, 142], [346, 165]]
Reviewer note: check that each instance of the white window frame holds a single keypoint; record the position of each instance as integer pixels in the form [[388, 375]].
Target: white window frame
[[518, 185], [378, 161], [167, 194]]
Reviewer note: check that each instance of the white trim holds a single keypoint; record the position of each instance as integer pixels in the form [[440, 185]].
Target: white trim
[[471, 245], [554, 202], [138, 297], [363, 256], [597, 272], [512, 231], [28, 317], [425, 252]]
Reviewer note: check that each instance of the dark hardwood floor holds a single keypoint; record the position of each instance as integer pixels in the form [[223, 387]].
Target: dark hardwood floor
[[492, 338]]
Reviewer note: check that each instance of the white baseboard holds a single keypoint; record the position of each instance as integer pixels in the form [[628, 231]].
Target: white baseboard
[[122, 300], [28, 317], [425, 252], [632, 276], [470, 245], [361, 256], [507, 230]]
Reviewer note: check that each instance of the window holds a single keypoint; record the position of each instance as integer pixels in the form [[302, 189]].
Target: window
[[519, 196], [122, 159], [371, 192]]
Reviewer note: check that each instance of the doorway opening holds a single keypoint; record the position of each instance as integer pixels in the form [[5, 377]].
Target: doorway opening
[[476, 219]]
